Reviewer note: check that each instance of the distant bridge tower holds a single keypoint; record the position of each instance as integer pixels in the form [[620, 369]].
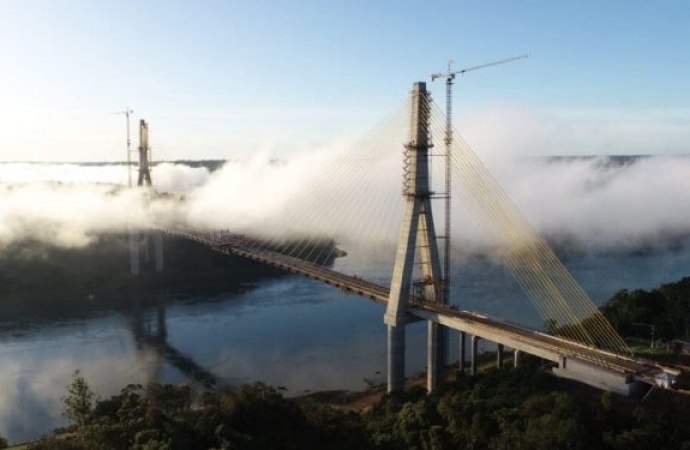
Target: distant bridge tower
[[417, 235], [136, 242], [144, 155]]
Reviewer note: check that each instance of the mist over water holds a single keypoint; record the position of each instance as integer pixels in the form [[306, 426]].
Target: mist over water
[[617, 222], [593, 204], [605, 203]]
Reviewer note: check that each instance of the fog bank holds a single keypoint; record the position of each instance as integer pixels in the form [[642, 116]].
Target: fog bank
[[596, 203]]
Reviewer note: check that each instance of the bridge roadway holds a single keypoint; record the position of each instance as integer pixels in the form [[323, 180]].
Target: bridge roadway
[[545, 346]]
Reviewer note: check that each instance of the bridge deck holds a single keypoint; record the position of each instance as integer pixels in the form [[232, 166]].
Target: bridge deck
[[549, 347]]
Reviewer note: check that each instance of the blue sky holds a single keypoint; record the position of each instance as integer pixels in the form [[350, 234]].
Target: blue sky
[[226, 79]]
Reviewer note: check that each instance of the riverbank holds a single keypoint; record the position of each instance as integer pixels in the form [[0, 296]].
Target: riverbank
[[507, 408]]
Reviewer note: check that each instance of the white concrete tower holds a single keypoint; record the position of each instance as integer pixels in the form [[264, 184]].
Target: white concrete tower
[[136, 240], [417, 235], [144, 155]]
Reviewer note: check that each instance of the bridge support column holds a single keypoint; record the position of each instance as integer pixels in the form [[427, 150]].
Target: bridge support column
[[474, 362], [437, 338], [158, 250], [499, 355], [516, 358], [463, 351], [396, 358]]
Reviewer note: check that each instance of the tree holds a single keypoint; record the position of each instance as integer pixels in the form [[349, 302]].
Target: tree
[[3, 442], [78, 403], [169, 398]]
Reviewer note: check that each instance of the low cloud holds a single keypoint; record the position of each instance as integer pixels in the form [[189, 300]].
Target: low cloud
[[599, 203]]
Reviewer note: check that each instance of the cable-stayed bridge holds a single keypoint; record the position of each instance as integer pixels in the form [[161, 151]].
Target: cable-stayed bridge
[[579, 340], [546, 346]]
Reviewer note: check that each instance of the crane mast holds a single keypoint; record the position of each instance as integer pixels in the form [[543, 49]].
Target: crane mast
[[448, 141], [127, 112]]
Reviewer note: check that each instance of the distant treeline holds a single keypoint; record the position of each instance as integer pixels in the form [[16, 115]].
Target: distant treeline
[[40, 280], [662, 313], [603, 160], [211, 164]]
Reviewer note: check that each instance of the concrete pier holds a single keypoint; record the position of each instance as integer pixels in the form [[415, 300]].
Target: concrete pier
[[516, 357], [499, 355], [474, 361], [396, 358], [463, 352], [437, 354]]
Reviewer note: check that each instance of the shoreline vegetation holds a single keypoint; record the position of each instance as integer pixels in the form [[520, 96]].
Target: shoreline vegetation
[[508, 408], [41, 281]]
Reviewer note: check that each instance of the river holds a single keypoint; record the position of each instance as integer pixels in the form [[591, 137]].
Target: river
[[291, 332]]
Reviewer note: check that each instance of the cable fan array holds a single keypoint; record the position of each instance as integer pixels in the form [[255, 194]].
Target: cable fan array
[[566, 309], [352, 202], [348, 202]]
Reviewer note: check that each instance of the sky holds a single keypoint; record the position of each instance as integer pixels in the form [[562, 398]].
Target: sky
[[230, 79]]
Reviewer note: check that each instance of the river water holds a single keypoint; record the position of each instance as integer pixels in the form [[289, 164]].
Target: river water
[[291, 332]]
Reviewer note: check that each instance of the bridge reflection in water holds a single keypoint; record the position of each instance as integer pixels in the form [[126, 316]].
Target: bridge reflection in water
[[149, 329]]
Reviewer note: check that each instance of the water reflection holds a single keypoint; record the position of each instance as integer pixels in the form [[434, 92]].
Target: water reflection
[[293, 332], [150, 332], [39, 362], [290, 332]]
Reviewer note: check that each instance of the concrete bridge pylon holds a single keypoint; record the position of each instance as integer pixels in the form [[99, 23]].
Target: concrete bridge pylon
[[144, 155], [417, 239], [137, 240]]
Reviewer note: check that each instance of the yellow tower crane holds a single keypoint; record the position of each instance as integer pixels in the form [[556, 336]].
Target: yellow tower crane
[[448, 139]]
